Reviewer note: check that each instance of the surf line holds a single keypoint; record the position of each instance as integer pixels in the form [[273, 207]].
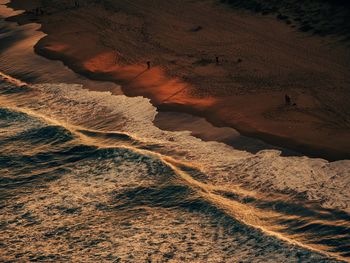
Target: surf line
[[244, 213], [12, 80]]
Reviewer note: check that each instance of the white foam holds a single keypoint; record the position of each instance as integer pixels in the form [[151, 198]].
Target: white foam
[[327, 182]]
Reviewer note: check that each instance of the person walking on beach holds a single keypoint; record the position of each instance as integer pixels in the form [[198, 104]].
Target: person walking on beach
[[287, 99], [148, 64]]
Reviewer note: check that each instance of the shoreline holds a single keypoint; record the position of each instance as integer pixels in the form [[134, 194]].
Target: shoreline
[[167, 94], [54, 71], [100, 156]]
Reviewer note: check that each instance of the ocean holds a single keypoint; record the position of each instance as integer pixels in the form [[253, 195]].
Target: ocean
[[86, 176]]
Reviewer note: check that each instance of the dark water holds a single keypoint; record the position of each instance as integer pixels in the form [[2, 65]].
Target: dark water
[[89, 172], [86, 177]]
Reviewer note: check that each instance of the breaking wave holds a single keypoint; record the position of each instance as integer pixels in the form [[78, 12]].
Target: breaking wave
[[89, 170]]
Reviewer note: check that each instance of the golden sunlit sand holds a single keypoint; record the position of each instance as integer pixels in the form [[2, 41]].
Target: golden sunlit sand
[[260, 60], [122, 128]]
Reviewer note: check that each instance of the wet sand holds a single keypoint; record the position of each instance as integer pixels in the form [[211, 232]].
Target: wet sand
[[20, 60], [101, 182], [114, 42]]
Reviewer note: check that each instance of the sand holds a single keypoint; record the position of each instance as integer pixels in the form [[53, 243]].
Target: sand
[[260, 60]]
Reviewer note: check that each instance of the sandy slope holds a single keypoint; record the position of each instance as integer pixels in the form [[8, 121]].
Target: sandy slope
[[182, 38]]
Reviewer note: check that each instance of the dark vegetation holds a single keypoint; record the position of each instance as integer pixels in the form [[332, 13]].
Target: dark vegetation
[[322, 17]]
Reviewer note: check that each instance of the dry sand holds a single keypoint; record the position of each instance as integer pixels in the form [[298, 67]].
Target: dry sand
[[113, 41]]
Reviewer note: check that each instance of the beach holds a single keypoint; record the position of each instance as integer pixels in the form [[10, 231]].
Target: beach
[[260, 61], [103, 159]]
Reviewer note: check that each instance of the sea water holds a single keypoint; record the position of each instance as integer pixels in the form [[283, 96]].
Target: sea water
[[86, 176]]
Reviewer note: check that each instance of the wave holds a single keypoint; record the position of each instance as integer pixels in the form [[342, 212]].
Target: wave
[[61, 133], [91, 174]]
